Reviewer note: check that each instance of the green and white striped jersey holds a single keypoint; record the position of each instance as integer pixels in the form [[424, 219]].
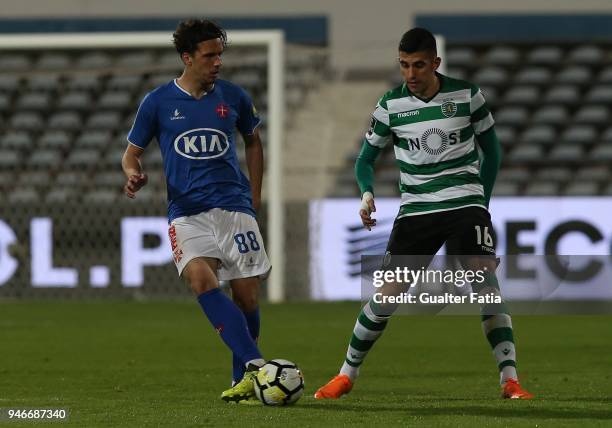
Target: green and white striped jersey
[[434, 145]]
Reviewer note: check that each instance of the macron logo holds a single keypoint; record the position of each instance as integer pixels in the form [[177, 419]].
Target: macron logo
[[176, 115]]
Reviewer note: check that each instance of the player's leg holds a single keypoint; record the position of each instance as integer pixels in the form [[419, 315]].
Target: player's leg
[[245, 293], [410, 236], [474, 242], [223, 314], [244, 263]]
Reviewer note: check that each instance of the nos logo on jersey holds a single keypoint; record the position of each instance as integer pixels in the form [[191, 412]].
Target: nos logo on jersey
[[201, 143]]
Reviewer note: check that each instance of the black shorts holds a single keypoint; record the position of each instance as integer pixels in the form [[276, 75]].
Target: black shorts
[[466, 231]]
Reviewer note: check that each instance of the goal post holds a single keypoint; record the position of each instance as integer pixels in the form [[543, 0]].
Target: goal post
[[274, 42]]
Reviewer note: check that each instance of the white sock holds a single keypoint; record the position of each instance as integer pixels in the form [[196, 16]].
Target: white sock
[[350, 371], [506, 373]]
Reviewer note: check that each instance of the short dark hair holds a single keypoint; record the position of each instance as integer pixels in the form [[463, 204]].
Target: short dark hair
[[193, 31], [418, 40]]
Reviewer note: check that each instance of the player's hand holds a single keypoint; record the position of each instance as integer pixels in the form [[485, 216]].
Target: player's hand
[[134, 184], [367, 208]]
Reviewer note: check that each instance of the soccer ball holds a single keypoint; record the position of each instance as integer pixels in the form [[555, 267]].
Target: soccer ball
[[279, 382]]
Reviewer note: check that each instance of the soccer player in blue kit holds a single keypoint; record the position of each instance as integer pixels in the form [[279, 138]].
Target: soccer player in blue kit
[[211, 204]]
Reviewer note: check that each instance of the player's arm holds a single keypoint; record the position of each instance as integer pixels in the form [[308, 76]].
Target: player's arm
[[364, 173], [255, 164], [482, 123], [375, 140], [491, 160], [132, 168]]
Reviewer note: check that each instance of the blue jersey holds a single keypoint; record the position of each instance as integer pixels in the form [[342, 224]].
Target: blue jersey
[[196, 138]]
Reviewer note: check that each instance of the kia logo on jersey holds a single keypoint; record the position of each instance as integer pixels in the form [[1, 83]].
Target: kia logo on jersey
[[201, 143]]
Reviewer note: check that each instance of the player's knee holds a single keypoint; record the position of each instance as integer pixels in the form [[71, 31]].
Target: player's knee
[[247, 302], [202, 285]]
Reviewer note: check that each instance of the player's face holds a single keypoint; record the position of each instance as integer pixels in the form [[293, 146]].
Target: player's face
[[205, 62], [419, 70]]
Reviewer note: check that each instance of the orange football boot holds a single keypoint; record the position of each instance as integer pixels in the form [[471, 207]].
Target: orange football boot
[[513, 390], [335, 388]]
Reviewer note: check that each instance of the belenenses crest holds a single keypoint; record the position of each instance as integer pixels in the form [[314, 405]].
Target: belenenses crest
[[449, 109]]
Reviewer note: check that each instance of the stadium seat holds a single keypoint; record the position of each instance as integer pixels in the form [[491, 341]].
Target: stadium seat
[[533, 76], [587, 54], [555, 173], [114, 179], [566, 153], [502, 55], [563, 94], [60, 195], [595, 173], [553, 115], [545, 55], [55, 139], [76, 180], [53, 61], [505, 188], [130, 83], [67, 120], [581, 188], [79, 101], [18, 140], [94, 60], [542, 188], [493, 76], [103, 196], [95, 139], [82, 158], [9, 82], [44, 82], [575, 75], [525, 153], [516, 116], [514, 174], [115, 101], [27, 120], [84, 82], [596, 115], [14, 62], [23, 195], [136, 59], [104, 120], [49, 159], [460, 56], [160, 79], [170, 59], [601, 94], [9, 159], [113, 157], [152, 157], [248, 79], [522, 95], [454, 72], [36, 179], [539, 134], [34, 101], [578, 134], [601, 153]]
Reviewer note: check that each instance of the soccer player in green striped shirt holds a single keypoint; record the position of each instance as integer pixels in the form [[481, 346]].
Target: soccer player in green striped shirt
[[434, 123]]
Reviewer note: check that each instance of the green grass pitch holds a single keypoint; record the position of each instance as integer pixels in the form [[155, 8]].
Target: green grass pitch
[[160, 364]]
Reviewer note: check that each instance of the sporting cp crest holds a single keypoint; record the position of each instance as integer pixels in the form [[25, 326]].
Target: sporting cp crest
[[449, 109]]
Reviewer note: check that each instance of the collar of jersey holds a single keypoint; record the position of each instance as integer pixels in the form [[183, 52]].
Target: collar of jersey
[[188, 94], [426, 100]]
